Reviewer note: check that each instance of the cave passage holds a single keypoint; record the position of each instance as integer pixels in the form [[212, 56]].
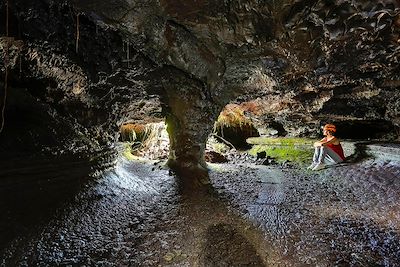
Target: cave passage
[[135, 214], [233, 127], [128, 124], [145, 140]]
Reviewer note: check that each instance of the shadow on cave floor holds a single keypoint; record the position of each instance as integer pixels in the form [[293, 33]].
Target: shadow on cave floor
[[257, 216]]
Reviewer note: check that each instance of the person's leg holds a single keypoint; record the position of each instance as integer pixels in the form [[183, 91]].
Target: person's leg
[[317, 153], [326, 156], [315, 157], [331, 157], [321, 155]]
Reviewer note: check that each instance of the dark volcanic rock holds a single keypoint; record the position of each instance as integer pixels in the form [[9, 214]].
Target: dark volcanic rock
[[215, 157], [97, 65]]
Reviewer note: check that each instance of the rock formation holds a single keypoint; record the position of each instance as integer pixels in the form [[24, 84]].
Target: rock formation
[[78, 70]]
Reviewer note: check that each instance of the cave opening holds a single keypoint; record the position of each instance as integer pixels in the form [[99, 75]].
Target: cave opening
[[233, 127], [144, 140]]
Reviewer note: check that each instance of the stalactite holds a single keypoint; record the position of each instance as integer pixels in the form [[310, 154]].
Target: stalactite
[[77, 34], [19, 50], [5, 91], [7, 6], [20, 65], [6, 70], [127, 53]]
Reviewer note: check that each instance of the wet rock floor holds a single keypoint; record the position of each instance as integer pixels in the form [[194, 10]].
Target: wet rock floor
[[256, 215]]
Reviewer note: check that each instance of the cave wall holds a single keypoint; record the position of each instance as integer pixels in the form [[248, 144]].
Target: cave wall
[[83, 92], [301, 63]]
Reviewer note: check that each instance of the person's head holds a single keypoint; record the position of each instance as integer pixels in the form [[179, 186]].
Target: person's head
[[329, 129]]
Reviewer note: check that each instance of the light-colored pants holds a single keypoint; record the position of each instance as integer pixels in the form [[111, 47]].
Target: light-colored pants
[[323, 154]]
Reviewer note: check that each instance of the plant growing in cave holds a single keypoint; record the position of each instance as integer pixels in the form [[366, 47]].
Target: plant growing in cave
[[6, 57], [12, 52], [298, 150], [149, 140], [234, 127], [232, 115]]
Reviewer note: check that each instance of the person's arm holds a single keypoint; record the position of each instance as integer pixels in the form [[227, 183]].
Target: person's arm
[[334, 141], [324, 141], [320, 142]]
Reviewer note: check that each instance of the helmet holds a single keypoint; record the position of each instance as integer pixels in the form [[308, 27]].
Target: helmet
[[330, 128]]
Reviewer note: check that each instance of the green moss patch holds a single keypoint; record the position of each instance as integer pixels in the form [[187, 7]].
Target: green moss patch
[[282, 141], [298, 150], [127, 152]]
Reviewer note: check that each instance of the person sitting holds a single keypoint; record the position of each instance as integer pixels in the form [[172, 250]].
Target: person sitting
[[328, 150]]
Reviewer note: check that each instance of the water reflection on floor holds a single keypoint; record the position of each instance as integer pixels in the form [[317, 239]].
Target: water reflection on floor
[[135, 216]]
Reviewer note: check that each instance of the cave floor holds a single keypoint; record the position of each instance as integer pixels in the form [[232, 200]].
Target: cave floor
[[257, 215]]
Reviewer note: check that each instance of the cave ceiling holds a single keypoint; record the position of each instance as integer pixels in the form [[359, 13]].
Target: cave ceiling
[[298, 62]]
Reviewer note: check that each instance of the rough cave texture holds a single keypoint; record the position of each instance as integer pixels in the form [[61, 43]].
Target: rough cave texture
[[301, 63]]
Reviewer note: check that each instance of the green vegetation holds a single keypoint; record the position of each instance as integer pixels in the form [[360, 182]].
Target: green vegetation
[[148, 141], [298, 150], [282, 141], [232, 116], [127, 152]]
